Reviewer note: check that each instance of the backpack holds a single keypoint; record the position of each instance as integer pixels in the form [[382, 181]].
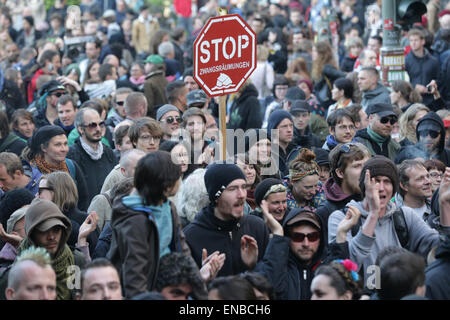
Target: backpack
[[401, 228], [72, 170]]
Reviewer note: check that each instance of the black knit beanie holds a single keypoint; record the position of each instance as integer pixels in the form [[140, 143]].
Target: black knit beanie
[[263, 187], [380, 166], [13, 200], [43, 135], [218, 176]]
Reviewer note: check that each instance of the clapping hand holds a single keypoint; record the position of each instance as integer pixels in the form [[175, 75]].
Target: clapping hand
[[211, 265], [350, 220], [249, 251]]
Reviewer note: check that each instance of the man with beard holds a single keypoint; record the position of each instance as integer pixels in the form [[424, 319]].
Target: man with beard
[[223, 227], [415, 188], [274, 193], [346, 162], [95, 158], [12, 56], [430, 132], [377, 136]]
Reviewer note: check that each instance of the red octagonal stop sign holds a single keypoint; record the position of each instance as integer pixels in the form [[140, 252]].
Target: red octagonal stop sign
[[224, 55]]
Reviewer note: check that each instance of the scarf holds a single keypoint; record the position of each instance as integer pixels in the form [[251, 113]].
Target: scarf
[[375, 136], [94, 154], [138, 81], [46, 168], [60, 265]]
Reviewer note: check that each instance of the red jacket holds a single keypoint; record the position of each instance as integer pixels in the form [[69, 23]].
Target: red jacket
[[32, 86]]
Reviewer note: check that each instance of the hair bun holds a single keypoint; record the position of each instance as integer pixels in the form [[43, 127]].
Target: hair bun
[[306, 156]]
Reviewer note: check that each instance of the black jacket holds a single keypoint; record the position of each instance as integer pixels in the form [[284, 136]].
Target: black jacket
[[422, 70], [245, 110], [13, 97], [347, 63], [332, 74], [308, 140], [95, 171], [12, 143], [443, 153], [135, 246], [437, 274], [336, 199], [291, 280], [211, 233]]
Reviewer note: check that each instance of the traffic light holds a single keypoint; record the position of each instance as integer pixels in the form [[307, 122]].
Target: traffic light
[[410, 11]]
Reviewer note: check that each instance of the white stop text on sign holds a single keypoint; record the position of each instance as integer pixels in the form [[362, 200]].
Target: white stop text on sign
[[227, 47]]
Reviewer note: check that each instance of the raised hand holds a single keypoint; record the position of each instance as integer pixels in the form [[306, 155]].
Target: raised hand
[[444, 198], [269, 219], [350, 220], [372, 194], [88, 226], [249, 251], [13, 238]]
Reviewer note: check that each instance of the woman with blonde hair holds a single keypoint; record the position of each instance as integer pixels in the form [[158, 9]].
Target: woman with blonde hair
[[297, 70], [304, 190], [324, 72], [408, 123], [404, 95], [60, 188]]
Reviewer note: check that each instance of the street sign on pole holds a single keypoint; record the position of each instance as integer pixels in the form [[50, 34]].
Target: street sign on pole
[[224, 58]]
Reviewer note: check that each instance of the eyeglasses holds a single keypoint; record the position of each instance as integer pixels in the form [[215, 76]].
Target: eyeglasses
[[120, 103], [58, 94], [44, 188], [94, 125], [147, 137], [433, 134], [392, 120], [345, 128], [300, 237], [170, 120], [435, 175]]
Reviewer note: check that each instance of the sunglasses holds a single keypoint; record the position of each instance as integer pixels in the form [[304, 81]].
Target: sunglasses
[[58, 94], [120, 103], [94, 125], [44, 188], [433, 134], [170, 120], [392, 120], [300, 237]]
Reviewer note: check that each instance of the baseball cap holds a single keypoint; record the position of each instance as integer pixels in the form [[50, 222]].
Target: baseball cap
[[299, 106], [304, 216], [428, 124], [51, 86], [154, 59], [196, 96], [381, 109], [295, 93], [50, 223]]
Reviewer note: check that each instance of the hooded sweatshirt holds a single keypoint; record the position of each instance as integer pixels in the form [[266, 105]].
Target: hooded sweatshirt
[[378, 95], [291, 279], [63, 257], [443, 153], [364, 249], [209, 232], [336, 199]]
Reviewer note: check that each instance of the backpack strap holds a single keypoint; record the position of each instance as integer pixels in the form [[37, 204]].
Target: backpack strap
[[107, 198], [401, 228], [72, 170]]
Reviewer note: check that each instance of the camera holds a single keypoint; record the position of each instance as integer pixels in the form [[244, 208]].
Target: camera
[[429, 89]]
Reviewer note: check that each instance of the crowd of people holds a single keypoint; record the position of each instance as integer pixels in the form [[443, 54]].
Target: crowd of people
[[113, 185]]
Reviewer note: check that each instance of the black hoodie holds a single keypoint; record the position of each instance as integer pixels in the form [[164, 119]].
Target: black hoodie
[[211, 233], [245, 112], [443, 153], [437, 275]]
